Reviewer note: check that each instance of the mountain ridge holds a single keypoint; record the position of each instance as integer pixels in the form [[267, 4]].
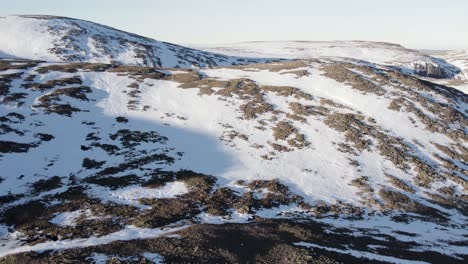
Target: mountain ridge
[[74, 40]]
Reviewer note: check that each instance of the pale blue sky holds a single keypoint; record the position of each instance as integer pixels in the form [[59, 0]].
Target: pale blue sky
[[428, 24]]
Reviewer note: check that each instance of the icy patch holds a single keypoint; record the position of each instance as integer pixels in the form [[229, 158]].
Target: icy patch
[[132, 194], [69, 218], [155, 258]]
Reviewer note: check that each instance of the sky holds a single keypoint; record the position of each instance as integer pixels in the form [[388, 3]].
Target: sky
[[423, 24]]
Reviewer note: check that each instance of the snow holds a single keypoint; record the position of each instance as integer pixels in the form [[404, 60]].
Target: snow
[[59, 39], [458, 58], [319, 172], [27, 31], [375, 52], [132, 194], [69, 218], [154, 257]]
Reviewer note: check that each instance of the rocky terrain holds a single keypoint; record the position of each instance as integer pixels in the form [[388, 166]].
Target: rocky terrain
[[317, 160]]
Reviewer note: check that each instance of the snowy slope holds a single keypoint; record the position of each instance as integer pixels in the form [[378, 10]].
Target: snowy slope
[[458, 58], [318, 139], [58, 39], [408, 60], [346, 156]]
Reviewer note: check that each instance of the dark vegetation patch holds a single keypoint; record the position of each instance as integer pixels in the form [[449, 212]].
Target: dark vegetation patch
[[9, 198], [49, 101], [15, 147], [287, 132], [44, 137], [130, 139], [17, 64], [30, 78], [32, 219], [395, 200], [113, 182], [53, 83], [275, 66], [346, 73], [307, 110], [287, 91], [74, 67], [22, 214], [73, 92], [362, 183], [121, 119], [449, 198], [325, 101], [137, 163], [298, 73], [6, 129], [92, 164], [166, 211], [15, 98], [5, 82], [47, 184], [139, 73], [12, 117], [254, 108], [354, 128], [398, 183], [283, 130], [228, 136]]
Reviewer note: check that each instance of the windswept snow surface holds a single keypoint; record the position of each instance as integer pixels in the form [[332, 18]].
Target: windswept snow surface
[[390, 54]]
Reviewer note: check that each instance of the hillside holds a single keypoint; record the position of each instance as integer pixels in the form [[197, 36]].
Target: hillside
[[61, 39], [406, 60], [317, 160]]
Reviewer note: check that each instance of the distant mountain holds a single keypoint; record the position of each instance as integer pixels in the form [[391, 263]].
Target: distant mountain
[[61, 39], [406, 60]]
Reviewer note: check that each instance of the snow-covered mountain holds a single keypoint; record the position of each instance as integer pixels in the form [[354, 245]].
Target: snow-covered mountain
[[61, 39], [407, 60], [319, 160]]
